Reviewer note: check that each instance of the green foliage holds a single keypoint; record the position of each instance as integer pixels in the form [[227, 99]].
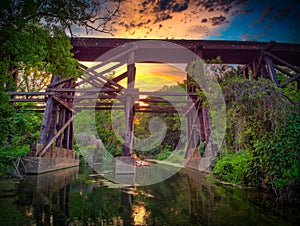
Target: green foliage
[[262, 135], [33, 46], [201, 148], [18, 130], [165, 153], [273, 162], [233, 166], [106, 133], [254, 108], [276, 158]]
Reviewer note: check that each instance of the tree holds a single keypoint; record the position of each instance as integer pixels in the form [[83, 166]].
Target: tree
[[34, 35], [34, 45]]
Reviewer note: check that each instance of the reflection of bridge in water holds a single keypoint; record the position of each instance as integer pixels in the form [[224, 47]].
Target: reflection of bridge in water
[[49, 195], [65, 97]]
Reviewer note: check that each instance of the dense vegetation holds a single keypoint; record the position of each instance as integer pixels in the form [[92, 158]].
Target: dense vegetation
[[261, 146]]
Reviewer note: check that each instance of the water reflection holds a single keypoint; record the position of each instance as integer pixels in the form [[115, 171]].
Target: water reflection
[[69, 197], [48, 195]]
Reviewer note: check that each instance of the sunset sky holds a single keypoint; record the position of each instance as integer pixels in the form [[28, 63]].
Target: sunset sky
[[244, 20], [255, 20]]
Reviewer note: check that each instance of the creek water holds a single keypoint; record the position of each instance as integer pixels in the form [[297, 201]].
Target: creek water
[[78, 196]]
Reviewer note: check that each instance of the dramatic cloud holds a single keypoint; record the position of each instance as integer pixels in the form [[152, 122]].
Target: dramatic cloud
[[172, 18], [204, 19]]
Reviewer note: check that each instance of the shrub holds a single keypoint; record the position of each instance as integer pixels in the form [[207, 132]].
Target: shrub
[[232, 167]]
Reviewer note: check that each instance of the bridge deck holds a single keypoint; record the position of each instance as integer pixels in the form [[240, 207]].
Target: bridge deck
[[232, 52]]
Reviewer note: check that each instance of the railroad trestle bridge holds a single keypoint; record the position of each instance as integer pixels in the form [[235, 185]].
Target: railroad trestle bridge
[[64, 97]]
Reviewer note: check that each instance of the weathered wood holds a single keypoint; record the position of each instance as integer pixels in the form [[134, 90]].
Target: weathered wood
[[28, 106], [258, 66], [193, 138], [297, 76], [255, 69], [284, 71], [282, 61], [60, 82], [60, 124], [89, 97], [157, 111], [165, 101], [66, 138], [263, 71], [113, 59], [246, 73], [131, 70], [193, 105], [129, 128], [130, 96], [27, 100], [271, 70], [45, 121], [93, 90], [30, 93], [183, 94], [201, 123], [93, 75], [120, 77], [53, 121], [71, 136], [207, 125], [64, 104], [43, 151], [171, 107]]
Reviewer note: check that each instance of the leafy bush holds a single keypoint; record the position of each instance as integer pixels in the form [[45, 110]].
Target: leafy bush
[[276, 159], [232, 167], [165, 153], [18, 130]]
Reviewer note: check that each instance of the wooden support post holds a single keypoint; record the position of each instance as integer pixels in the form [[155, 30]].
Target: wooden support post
[[246, 73], [71, 127], [271, 70], [60, 124], [71, 136], [66, 132], [201, 123], [263, 72], [129, 126], [53, 121], [195, 136], [130, 96], [207, 126], [46, 117], [56, 136], [45, 121], [255, 69]]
